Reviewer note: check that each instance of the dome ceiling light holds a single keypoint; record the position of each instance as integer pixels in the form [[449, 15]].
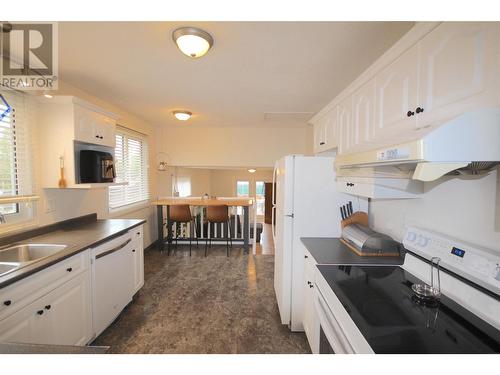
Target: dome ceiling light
[[182, 115], [192, 41]]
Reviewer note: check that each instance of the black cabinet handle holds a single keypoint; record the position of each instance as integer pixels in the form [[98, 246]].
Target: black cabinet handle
[[69, 269], [308, 283], [101, 137], [321, 143], [419, 110], [133, 251], [97, 136], [349, 184], [305, 256], [138, 233], [47, 307], [39, 312], [7, 303], [311, 286], [410, 113]]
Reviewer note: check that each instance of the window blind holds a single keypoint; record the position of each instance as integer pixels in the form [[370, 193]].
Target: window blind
[[131, 163], [15, 150]]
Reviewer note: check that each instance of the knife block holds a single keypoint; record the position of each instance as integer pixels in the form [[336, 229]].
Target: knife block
[[359, 217]]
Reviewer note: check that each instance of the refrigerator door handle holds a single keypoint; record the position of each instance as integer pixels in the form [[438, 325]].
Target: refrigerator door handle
[[273, 209]]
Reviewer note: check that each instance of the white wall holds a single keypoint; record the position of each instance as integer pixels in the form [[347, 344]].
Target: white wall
[[467, 209], [231, 146]]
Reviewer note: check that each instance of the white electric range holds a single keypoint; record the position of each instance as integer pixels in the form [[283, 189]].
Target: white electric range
[[373, 309]]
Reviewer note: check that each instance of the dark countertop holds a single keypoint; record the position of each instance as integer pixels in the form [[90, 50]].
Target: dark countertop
[[77, 235], [333, 251], [381, 303], [50, 349]]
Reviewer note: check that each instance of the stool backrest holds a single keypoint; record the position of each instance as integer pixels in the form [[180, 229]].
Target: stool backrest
[[217, 214], [180, 213]]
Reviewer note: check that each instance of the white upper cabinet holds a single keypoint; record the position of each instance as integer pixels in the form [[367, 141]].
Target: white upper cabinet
[[434, 73], [344, 116], [459, 63], [94, 127], [396, 95], [331, 129], [363, 114], [326, 132]]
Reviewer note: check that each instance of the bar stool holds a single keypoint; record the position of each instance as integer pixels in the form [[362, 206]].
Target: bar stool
[[219, 215], [182, 214]]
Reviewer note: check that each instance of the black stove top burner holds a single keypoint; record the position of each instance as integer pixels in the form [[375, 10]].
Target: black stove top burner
[[382, 304]]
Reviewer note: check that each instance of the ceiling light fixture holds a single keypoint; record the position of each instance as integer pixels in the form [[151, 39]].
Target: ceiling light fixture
[[192, 42], [182, 115], [251, 170]]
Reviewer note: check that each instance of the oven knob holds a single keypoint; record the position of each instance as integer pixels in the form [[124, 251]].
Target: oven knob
[[497, 271], [422, 241], [411, 236]]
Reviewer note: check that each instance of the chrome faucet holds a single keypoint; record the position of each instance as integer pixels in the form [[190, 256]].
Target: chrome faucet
[[2, 218]]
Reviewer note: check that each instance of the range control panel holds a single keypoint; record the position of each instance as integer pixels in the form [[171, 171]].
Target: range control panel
[[466, 260]]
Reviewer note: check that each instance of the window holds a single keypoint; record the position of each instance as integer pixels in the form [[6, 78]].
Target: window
[[184, 186], [242, 188], [260, 196], [15, 156], [131, 162]]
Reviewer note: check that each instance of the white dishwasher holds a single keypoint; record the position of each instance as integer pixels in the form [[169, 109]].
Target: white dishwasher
[[113, 280]]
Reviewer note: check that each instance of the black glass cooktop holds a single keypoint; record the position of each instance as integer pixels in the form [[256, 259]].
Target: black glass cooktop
[[381, 303]]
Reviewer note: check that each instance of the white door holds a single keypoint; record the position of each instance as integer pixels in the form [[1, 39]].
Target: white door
[[331, 129], [363, 116], [459, 64], [318, 136], [344, 116], [28, 325], [84, 126], [138, 258], [396, 95], [283, 236], [69, 312]]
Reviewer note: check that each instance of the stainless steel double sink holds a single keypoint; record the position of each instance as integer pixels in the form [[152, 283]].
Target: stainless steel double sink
[[21, 255]]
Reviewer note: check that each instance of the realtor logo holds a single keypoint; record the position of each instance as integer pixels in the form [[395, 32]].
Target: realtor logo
[[29, 55]]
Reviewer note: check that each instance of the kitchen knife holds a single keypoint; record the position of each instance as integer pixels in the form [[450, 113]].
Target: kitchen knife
[[342, 213], [350, 208], [345, 212]]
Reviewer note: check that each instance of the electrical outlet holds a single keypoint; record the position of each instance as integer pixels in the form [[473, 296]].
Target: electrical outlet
[[49, 206]]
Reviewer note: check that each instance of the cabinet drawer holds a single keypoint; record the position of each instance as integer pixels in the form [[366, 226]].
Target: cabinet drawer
[[23, 292], [137, 232]]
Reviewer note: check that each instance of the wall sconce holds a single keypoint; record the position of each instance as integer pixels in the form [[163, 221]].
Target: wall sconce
[[162, 158]]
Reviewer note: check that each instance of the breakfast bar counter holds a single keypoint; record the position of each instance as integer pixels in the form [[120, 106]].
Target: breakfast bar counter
[[245, 203]]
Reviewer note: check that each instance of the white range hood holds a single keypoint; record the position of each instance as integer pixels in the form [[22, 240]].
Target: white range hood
[[467, 145]]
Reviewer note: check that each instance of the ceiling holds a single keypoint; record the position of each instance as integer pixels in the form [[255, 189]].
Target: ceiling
[[257, 74]]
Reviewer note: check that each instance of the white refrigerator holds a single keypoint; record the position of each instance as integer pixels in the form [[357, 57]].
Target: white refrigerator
[[305, 204]]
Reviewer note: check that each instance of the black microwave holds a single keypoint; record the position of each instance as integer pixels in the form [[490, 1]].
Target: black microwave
[[96, 167]]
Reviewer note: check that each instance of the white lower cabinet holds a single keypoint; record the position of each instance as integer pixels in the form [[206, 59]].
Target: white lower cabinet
[[55, 306], [311, 322], [62, 317]]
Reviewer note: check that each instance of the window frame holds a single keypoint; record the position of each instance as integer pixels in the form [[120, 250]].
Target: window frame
[[130, 135]]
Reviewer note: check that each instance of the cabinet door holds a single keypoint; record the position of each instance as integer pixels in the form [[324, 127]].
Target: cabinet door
[[363, 116], [68, 312], [28, 325], [318, 137], [396, 94], [138, 254], [84, 125], [311, 323], [331, 129], [344, 116], [459, 64], [106, 130]]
